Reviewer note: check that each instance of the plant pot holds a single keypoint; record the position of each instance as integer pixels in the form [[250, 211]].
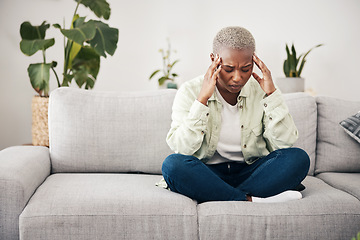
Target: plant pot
[[40, 130], [291, 84], [168, 84]]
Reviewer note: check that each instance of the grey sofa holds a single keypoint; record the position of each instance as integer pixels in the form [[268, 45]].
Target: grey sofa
[[97, 179]]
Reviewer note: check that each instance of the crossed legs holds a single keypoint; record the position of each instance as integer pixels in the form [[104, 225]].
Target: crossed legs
[[281, 170]]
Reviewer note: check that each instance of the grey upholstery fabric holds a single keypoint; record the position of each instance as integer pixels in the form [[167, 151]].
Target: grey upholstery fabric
[[22, 170], [109, 132], [303, 109], [323, 213], [336, 150], [107, 206], [97, 138], [348, 182]]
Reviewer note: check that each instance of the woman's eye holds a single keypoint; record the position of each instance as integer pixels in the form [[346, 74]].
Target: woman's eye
[[246, 70], [228, 69]]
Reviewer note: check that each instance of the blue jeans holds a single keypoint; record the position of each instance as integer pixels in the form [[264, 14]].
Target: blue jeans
[[281, 170]]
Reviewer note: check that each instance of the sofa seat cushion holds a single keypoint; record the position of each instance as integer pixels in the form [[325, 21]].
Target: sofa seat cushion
[[323, 213], [107, 206], [348, 182]]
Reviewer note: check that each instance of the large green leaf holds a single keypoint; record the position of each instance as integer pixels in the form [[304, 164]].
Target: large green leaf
[[39, 74], [33, 38], [85, 67], [30, 32], [100, 7], [74, 47], [81, 33], [29, 47], [105, 40]]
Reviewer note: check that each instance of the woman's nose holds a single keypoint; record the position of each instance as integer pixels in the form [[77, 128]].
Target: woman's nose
[[237, 76]]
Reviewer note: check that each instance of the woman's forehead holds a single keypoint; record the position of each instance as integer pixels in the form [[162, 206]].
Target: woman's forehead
[[235, 56]]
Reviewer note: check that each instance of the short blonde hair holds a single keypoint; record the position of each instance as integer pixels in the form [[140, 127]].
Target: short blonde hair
[[233, 37]]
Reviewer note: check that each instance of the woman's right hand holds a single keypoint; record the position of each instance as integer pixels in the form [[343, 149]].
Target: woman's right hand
[[210, 78]]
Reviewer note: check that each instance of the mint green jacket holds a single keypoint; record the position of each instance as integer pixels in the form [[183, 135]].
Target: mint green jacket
[[266, 124]]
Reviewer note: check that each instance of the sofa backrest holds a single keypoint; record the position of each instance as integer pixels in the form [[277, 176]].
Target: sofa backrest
[[336, 150], [92, 131], [302, 108]]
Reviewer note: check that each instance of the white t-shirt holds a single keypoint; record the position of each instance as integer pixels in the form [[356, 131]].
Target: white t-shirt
[[229, 145]]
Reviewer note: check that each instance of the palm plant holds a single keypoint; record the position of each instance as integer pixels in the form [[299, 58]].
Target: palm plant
[[291, 64]]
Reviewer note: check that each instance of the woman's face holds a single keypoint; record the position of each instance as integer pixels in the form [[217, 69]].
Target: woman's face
[[236, 69]]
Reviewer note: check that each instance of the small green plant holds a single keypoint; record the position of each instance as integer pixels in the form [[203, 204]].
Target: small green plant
[[357, 237], [291, 68], [84, 43], [166, 71]]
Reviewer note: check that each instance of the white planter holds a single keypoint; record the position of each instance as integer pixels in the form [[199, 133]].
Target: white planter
[[289, 85]]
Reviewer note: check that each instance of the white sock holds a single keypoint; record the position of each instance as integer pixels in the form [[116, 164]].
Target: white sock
[[281, 197]]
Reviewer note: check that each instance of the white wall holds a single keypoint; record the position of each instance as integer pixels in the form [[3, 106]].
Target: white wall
[[144, 25]]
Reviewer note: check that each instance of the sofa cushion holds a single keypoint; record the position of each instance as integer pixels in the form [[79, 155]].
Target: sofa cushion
[[107, 206], [22, 170], [94, 131], [302, 108], [348, 182], [323, 213], [351, 126], [336, 150]]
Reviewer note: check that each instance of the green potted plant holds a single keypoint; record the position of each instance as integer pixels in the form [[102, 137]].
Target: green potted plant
[[293, 67], [167, 77], [84, 43]]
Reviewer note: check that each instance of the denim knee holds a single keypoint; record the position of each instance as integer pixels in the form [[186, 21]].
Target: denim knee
[[175, 163], [302, 159], [168, 164]]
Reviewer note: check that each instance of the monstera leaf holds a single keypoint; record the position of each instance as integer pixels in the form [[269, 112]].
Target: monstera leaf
[[30, 47], [101, 37], [100, 7], [30, 32], [82, 31], [105, 40], [85, 67], [33, 38], [39, 74]]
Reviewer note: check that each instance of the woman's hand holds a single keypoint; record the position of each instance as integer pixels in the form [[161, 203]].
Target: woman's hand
[[210, 78], [266, 83]]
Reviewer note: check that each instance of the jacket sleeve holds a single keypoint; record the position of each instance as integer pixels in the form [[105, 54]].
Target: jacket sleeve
[[189, 123], [279, 128]]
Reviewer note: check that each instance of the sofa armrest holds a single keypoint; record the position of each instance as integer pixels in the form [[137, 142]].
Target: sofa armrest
[[22, 170]]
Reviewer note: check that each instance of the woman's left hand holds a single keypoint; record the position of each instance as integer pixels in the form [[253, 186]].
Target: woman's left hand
[[266, 83]]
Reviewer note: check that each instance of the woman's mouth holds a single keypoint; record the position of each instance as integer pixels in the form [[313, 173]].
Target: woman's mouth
[[236, 87]]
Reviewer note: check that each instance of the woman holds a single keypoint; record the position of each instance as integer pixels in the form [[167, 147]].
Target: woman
[[232, 134]]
